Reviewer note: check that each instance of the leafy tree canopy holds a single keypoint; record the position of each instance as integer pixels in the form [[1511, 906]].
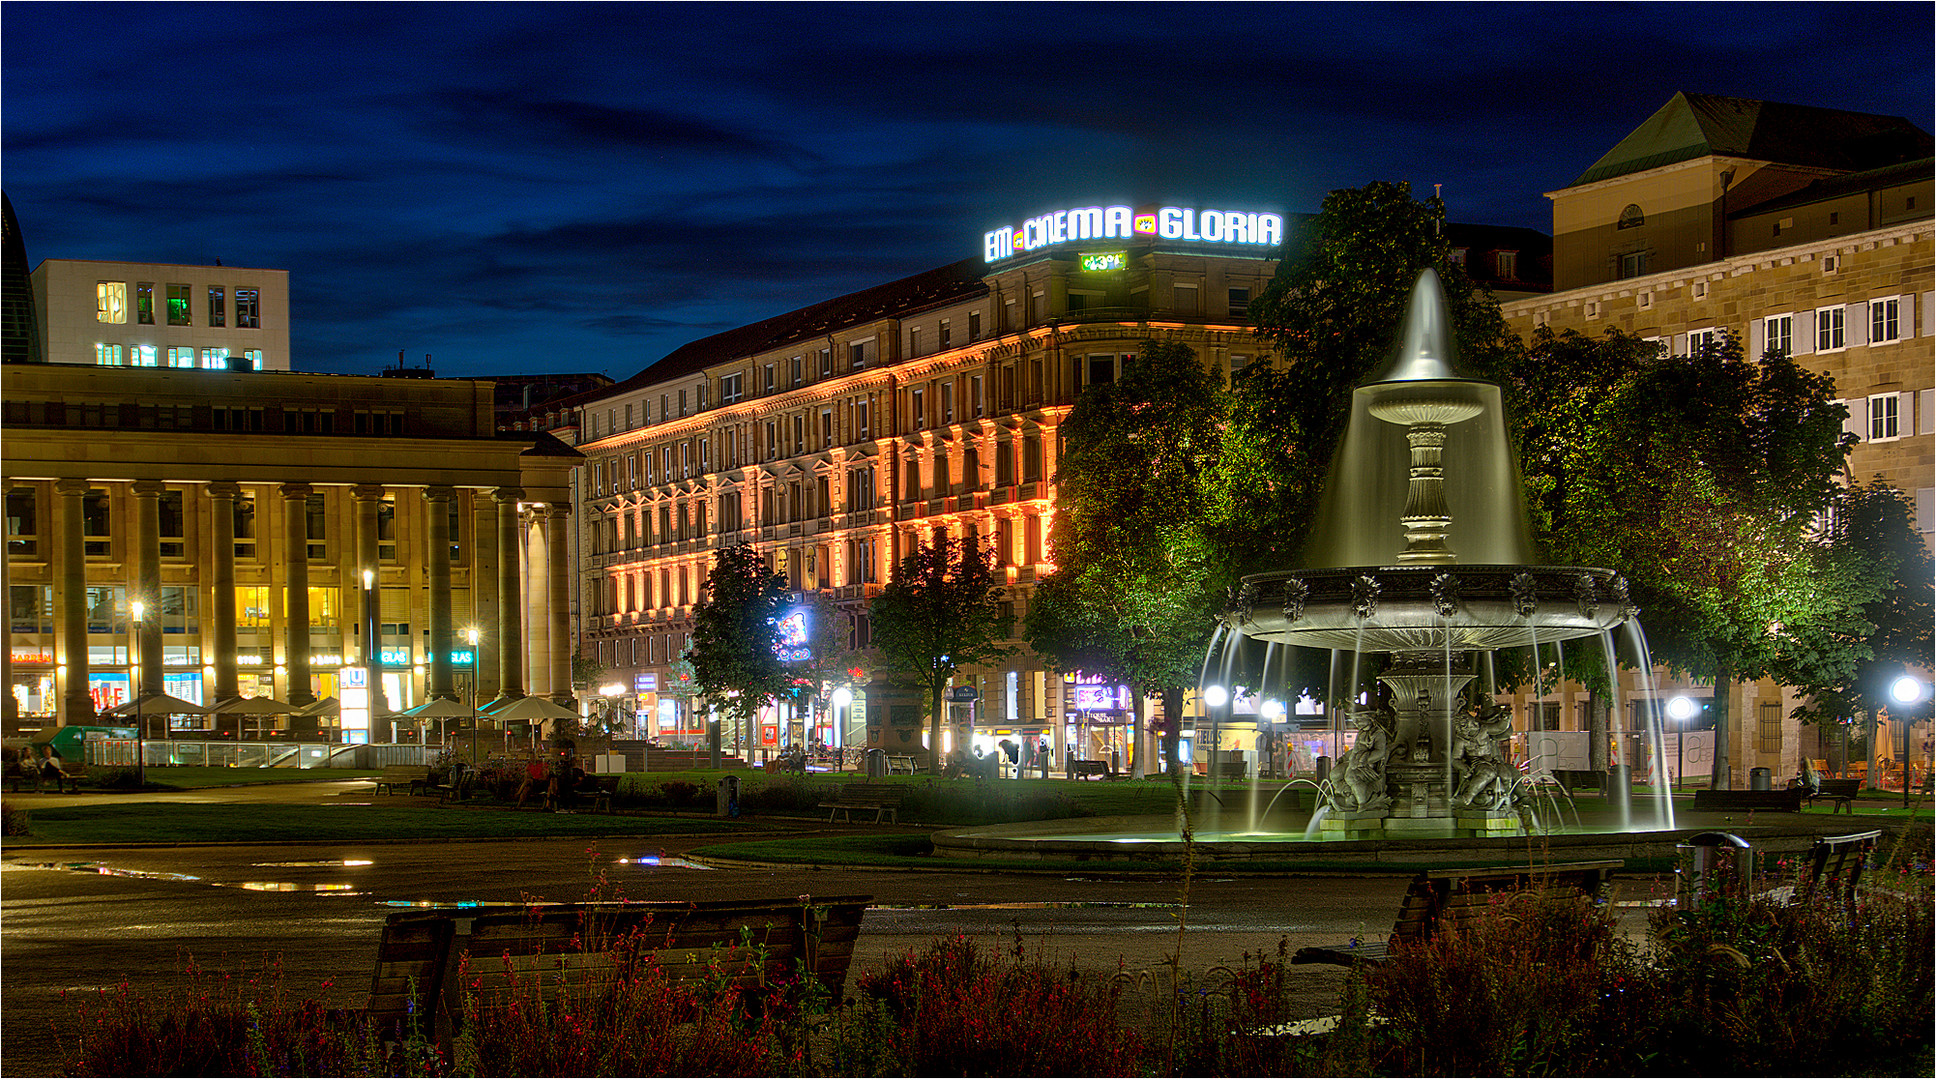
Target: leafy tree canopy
[[941, 612], [735, 666]]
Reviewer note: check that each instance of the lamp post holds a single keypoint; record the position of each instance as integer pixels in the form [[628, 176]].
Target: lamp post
[[137, 609], [1681, 709], [471, 635], [373, 651], [1906, 691]]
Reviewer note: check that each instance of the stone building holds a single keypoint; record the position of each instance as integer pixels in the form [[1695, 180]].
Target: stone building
[[1789, 227], [243, 508]]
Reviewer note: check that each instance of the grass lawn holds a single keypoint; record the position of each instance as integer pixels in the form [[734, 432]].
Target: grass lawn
[[174, 823], [196, 776]]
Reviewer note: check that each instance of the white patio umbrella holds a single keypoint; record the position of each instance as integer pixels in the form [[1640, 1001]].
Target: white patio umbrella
[[327, 706], [249, 706], [532, 708]]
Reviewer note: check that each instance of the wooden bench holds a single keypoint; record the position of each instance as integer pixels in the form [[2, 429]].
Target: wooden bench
[[1785, 800], [1839, 792], [1084, 768], [880, 798], [1837, 861], [412, 778], [1440, 900], [430, 962]]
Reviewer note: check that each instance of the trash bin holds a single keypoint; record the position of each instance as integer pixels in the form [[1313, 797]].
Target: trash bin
[[1712, 866], [877, 763], [726, 797], [1759, 779]]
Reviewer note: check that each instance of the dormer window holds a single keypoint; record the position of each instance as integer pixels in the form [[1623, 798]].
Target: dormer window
[[1631, 218]]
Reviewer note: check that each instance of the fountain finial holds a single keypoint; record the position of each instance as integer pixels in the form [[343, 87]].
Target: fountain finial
[[1426, 349]]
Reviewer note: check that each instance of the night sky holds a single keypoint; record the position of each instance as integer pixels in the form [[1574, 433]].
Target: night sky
[[556, 187]]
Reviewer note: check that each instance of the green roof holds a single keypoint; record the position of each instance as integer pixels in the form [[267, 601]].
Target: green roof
[[1693, 126]]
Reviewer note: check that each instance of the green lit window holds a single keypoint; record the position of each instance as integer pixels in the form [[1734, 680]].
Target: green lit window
[[178, 313]]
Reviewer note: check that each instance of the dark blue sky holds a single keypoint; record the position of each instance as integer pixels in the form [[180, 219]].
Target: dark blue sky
[[559, 187]]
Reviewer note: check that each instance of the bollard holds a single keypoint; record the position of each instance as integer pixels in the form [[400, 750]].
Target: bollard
[[1713, 866], [1322, 768], [726, 797]]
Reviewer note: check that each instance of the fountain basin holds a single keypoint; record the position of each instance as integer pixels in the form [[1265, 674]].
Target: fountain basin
[[1430, 608]]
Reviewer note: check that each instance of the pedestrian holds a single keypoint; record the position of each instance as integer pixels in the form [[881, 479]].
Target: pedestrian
[[535, 781], [50, 768]]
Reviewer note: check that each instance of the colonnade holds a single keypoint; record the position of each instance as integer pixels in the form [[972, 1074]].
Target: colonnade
[[519, 552]]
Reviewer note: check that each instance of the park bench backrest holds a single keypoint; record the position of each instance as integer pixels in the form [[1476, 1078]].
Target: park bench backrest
[[1450, 899], [873, 793], [1838, 861], [428, 961]]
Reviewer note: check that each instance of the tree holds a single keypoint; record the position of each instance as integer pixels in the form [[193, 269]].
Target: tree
[[736, 667], [1871, 526], [941, 612], [1701, 479], [1139, 575], [827, 660]]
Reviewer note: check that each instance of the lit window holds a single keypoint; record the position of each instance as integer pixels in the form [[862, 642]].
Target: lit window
[[181, 356], [1507, 263], [1779, 334], [1829, 328], [217, 310], [178, 313], [111, 301], [141, 356], [1883, 416], [254, 356], [215, 358], [1884, 324], [107, 355], [145, 302], [248, 309]]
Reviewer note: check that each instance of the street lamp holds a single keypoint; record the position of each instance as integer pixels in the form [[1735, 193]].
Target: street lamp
[[1906, 691], [1681, 709], [372, 651], [471, 635], [840, 701], [137, 609]]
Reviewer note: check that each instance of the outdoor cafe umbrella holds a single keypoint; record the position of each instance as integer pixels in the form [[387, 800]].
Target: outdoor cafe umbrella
[[328, 706], [532, 708], [436, 708], [157, 705], [249, 706]]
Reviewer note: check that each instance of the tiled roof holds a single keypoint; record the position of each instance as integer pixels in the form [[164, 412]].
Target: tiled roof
[[1692, 126], [1831, 187]]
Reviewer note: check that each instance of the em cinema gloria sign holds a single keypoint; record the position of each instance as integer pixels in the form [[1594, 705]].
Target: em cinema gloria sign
[[1124, 223]]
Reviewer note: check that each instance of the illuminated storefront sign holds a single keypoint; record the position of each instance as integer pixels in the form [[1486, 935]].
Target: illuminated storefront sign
[[31, 655], [645, 683], [353, 704], [1124, 223], [1108, 260]]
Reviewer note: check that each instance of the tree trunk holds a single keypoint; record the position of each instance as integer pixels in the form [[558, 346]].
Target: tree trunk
[[1138, 759], [935, 729], [1721, 707], [1597, 725], [1173, 730]]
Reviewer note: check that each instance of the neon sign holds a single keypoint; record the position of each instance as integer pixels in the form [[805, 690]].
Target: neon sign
[[1109, 260], [790, 636], [1124, 223]]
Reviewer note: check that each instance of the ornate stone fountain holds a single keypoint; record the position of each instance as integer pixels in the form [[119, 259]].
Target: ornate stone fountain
[[1420, 551]]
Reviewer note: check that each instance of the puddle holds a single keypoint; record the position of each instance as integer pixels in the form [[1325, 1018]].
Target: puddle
[[333, 863], [330, 888], [1034, 905], [673, 862], [289, 886]]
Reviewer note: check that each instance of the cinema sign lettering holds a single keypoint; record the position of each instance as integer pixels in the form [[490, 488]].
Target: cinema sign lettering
[[1124, 223]]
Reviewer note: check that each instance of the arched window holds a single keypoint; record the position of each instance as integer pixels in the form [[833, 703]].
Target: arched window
[[1631, 218]]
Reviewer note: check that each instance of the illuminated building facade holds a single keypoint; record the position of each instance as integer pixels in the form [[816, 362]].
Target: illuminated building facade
[[243, 507], [1788, 227], [119, 314], [838, 437]]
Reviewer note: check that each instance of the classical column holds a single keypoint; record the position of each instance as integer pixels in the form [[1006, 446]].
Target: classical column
[[295, 512], [511, 612], [147, 586], [537, 603], [437, 507], [76, 704], [484, 593], [369, 614], [222, 495], [557, 601]]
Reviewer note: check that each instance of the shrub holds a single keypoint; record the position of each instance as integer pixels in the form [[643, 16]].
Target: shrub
[[955, 1009], [678, 793], [14, 820], [779, 795], [983, 802], [114, 777]]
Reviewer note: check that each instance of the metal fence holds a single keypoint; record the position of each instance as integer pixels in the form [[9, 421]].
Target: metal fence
[[258, 755]]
